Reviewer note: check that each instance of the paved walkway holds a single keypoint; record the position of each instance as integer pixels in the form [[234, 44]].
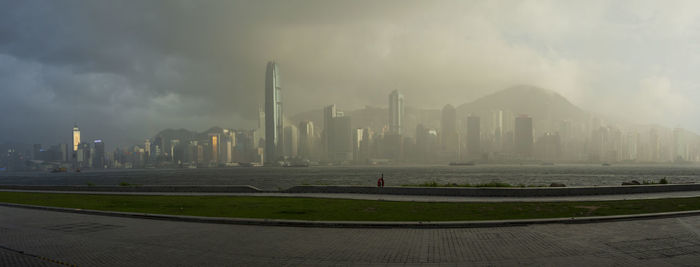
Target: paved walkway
[[48, 238], [416, 198]]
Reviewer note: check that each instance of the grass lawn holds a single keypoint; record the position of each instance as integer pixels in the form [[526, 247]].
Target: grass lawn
[[346, 210]]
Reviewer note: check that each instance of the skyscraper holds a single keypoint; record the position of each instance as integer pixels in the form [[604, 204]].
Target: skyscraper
[[291, 137], [329, 113], [215, 145], [396, 119], [448, 136], [357, 136], [98, 158], [274, 126], [306, 139], [340, 140], [523, 137], [76, 137]]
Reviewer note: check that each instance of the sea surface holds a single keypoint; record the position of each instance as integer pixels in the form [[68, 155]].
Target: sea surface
[[281, 178]]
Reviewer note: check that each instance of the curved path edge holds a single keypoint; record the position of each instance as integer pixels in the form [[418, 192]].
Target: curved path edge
[[362, 224]]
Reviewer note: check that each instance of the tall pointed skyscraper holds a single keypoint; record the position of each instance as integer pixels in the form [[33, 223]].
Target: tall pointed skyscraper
[[273, 114]]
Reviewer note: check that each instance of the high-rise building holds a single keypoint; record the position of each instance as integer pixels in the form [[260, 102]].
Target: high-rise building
[[147, 148], [274, 125], [306, 139], [357, 136], [176, 151], [291, 145], [64, 154], [474, 136], [340, 139], [98, 158], [214, 143], [76, 137], [396, 111], [449, 138], [523, 137], [329, 113], [497, 129]]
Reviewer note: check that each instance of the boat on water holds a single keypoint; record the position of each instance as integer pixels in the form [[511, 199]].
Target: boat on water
[[461, 164], [55, 170], [295, 164], [605, 164]]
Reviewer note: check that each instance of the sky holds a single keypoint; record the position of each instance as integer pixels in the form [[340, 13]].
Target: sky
[[123, 70]]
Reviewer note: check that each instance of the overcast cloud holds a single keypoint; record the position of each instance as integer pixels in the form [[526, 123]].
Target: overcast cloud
[[125, 69]]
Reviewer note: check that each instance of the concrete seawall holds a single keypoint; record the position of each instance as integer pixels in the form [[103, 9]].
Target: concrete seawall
[[140, 188], [498, 192], [419, 191]]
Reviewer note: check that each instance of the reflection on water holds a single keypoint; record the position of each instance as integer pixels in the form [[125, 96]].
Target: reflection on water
[[281, 178]]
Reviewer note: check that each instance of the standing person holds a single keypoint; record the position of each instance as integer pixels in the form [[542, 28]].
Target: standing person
[[379, 182], [382, 179]]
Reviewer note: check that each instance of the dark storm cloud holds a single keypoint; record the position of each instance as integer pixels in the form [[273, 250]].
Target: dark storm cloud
[[140, 65]]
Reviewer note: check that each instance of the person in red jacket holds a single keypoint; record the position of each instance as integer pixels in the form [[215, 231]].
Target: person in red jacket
[[380, 182]]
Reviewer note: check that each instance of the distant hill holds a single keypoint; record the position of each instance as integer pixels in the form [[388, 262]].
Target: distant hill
[[184, 134], [526, 100], [539, 103]]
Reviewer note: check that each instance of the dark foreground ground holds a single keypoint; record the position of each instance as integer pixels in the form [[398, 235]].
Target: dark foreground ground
[[44, 238]]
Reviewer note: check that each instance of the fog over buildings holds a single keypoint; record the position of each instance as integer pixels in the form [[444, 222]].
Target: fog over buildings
[[126, 71]]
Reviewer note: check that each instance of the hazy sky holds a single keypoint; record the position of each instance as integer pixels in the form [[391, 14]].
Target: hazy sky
[[125, 69]]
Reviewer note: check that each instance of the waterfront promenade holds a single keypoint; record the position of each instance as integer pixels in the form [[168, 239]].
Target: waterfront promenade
[[47, 238]]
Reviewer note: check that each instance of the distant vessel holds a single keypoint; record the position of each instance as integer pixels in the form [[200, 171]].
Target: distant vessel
[[59, 170], [605, 164], [461, 163], [295, 164], [547, 163]]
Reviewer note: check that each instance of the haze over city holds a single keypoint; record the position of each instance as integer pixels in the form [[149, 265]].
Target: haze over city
[[354, 133], [177, 64]]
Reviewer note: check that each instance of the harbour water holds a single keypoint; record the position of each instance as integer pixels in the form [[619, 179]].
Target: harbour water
[[282, 178]]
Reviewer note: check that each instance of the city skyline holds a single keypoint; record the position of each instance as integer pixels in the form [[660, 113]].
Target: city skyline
[[507, 134]]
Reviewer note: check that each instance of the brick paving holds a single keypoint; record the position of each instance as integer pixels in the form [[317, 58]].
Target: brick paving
[[49, 238]]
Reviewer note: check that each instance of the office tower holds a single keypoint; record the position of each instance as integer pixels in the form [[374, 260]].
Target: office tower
[[98, 157], [214, 148], [63, 150], [261, 119], [365, 145], [83, 154], [549, 147], [474, 136], [329, 113], [232, 143], [523, 136], [306, 139], [340, 139], [497, 129], [654, 145], [396, 118], [357, 136], [291, 137], [680, 146], [147, 148], [76, 137], [274, 125], [449, 138], [176, 151]]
